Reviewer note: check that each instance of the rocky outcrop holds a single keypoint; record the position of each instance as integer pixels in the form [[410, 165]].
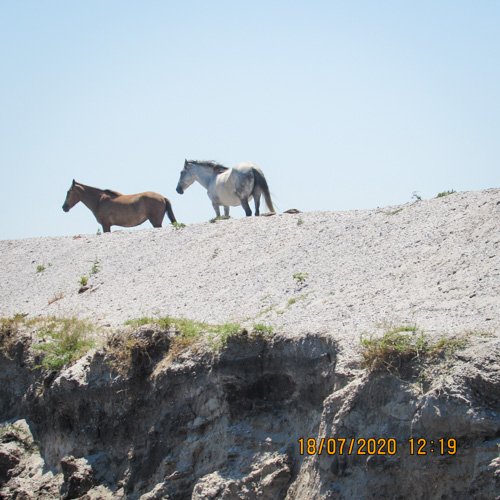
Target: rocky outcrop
[[227, 423]]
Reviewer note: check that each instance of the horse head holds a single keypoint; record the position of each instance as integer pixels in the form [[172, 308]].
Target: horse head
[[72, 197], [186, 179]]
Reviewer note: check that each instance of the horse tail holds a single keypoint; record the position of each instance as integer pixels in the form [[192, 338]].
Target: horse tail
[[261, 183], [168, 209]]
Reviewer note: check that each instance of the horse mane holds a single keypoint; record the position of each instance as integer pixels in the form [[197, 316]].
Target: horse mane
[[109, 192], [209, 163], [112, 193]]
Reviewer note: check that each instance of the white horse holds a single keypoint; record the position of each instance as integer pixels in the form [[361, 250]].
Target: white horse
[[228, 187]]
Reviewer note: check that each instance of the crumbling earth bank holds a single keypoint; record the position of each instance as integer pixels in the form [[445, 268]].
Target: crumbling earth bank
[[225, 424]]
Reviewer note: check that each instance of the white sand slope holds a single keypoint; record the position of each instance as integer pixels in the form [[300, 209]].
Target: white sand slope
[[433, 263]]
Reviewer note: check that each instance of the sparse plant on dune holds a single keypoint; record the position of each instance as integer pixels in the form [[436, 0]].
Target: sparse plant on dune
[[300, 278], [445, 193], [55, 298], [96, 267]]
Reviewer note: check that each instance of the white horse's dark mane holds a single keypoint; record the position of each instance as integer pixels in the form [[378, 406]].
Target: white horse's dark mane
[[209, 163]]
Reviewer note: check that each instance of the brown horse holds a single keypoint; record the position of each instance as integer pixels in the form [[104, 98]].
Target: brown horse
[[111, 208]]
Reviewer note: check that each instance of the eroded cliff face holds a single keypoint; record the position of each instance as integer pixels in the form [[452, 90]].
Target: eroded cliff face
[[205, 423]]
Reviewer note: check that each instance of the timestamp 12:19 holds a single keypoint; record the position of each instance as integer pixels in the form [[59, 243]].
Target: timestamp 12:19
[[442, 446]]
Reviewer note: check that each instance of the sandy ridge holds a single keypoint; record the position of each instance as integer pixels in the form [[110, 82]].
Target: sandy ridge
[[435, 263]]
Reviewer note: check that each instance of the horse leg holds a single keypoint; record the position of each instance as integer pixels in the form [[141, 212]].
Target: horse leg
[[106, 228], [256, 197], [246, 207], [216, 208], [156, 221], [226, 212]]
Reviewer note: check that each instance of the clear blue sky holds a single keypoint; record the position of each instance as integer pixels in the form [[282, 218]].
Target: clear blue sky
[[345, 105]]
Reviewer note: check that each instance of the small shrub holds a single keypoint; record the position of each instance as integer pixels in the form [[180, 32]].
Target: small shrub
[[300, 278], [300, 221], [445, 193], [40, 268], [178, 225], [98, 232], [83, 281], [416, 196], [96, 267], [64, 341], [292, 301]]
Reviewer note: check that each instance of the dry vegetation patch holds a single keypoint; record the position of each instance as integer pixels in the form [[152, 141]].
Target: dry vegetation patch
[[405, 346], [188, 332], [55, 342], [166, 338]]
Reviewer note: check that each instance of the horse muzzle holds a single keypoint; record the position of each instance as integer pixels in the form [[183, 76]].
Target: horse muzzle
[[65, 208], [180, 190]]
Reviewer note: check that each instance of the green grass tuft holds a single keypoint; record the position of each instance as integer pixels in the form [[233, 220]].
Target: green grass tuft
[[65, 341], [220, 334], [300, 278], [263, 329], [402, 345], [96, 267], [190, 331]]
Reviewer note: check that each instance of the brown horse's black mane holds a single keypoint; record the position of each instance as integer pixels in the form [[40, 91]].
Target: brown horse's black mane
[[109, 192], [112, 193]]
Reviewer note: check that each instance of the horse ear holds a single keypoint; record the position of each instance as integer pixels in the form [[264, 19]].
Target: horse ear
[[219, 170], [74, 182]]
